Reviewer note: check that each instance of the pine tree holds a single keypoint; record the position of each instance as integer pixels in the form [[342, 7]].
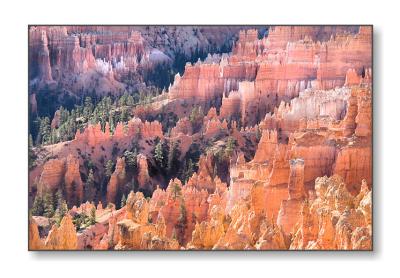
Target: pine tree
[[182, 223], [64, 114], [61, 211], [124, 115], [230, 146], [88, 189], [45, 130], [92, 217], [48, 201], [173, 158], [31, 153], [190, 170], [158, 154], [38, 206], [59, 198], [196, 116], [88, 108], [111, 121], [109, 168], [130, 159], [63, 208], [176, 190], [123, 200], [123, 99], [258, 134], [130, 101], [77, 220]]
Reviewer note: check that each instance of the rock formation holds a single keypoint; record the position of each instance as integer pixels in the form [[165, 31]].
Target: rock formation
[[267, 147], [289, 212], [34, 241], [137, 233], [143, 175], [334, 220], [52, 175], [116, 181], [63, 237], [72, 181]]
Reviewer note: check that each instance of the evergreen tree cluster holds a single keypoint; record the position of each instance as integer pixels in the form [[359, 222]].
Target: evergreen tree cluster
[[50, 205], [91, 111], [82, 220], [196, 118]]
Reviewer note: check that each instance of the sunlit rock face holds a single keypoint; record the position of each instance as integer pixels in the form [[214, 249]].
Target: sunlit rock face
[[343, 222], [63, 237], [135, 232], [289, 212], [117, 179], [278, 131], [281, 65], [61, 54]]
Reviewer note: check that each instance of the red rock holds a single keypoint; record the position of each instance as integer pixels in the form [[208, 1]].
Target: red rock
[[93, 135], [55, 122], [317, 152], [117, 179], [151, 129], [207, 234], [272, 239], [143, 175], [137, 208], [246, 45], [352, 78], [307, 89], [364, 114], [296, 179], [230, 105], [199, 83], [267, 146], [290, 211], [112, 236], [183, 126], [52, 175], [334, 61], [204, 178], [35, 243], [44, 69], [90, 238], [33, 103], [72, 181], [354, 164], [330, 222], [63, 237], [238, 234], [136, 232]]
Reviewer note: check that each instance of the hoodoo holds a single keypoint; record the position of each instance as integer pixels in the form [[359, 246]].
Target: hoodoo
[[200, 138]]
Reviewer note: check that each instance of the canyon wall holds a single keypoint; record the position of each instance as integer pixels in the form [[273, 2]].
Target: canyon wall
[[280, 66], [282, 141]]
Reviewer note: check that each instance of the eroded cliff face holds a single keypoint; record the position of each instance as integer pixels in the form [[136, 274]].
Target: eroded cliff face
[[335, 219], [101, 58], [283, 137], [73, 59], [260, 73], [136, 232], [62, 237], [117, 179], [68, 172]]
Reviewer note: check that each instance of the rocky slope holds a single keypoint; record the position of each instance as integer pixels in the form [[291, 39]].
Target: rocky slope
[[272, 145]]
